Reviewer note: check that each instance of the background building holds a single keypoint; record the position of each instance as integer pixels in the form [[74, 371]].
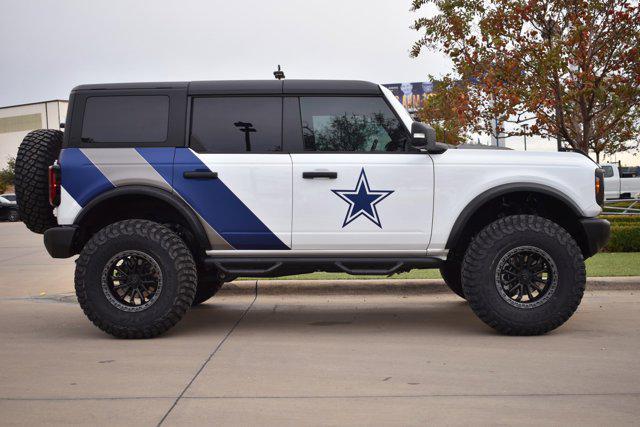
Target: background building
[[18, 120]]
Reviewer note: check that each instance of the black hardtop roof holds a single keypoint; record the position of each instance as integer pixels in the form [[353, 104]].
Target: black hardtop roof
[[246, 87]]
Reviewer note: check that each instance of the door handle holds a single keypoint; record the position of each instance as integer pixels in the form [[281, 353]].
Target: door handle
[[312, 175], [200, 175]]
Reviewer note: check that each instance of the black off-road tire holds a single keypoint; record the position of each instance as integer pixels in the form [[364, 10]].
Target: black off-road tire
[[38, 150], [175, 261], [451, 272], [208, 286], [479, 279]]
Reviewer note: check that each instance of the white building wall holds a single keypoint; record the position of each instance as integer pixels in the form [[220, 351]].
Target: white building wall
[[51, 114]]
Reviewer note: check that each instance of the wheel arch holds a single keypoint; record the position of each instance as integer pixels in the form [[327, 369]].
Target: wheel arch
[[494, 203], [141, 202]]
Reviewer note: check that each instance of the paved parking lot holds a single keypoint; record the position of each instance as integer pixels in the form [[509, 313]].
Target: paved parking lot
[[258, 358]]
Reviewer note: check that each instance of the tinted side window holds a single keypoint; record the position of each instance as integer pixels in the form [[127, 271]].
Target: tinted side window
[[350, 124], [608, 171], [236, 124], [126, 119]]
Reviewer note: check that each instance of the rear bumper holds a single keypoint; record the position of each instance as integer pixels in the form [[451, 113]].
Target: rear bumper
[[59, 241], [597, 232]]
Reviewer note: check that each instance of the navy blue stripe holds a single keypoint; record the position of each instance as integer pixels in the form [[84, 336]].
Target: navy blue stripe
[[161, 159], [80, 177], [221, 208]]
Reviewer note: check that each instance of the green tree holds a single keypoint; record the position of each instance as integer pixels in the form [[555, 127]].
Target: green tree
[[7, 174], [567, 68]]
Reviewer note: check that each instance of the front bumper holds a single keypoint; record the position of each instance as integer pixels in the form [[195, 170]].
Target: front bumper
[[59, 241], [596, 232]]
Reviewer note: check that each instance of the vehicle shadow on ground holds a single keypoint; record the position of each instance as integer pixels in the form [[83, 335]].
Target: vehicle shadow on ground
[[440, 318]]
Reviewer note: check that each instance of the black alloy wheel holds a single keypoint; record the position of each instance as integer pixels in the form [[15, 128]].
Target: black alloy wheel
[[132, 281], [526, 277]]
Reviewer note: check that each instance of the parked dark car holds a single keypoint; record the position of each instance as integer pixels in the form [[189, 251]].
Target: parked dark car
[[9, 208]]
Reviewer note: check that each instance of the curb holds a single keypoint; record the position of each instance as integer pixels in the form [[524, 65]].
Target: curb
[[387, 286]]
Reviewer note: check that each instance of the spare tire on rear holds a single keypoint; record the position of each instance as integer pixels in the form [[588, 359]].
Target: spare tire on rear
[[38, 150]]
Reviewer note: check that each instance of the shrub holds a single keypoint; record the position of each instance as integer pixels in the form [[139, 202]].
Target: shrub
[[624, 238], [7, 175]]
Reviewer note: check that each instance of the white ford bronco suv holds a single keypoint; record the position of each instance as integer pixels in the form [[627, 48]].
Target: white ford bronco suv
[[168, 190]]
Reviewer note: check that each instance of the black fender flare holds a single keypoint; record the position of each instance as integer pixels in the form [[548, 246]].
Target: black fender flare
[[500, 190], [176, 202]]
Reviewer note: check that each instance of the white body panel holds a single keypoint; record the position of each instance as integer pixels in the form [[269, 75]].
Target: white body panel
[[463, 175], [405, 215], [262, 182], [68, 209]]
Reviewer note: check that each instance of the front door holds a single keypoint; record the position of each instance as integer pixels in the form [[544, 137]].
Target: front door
[[234, 173], [356, 188]]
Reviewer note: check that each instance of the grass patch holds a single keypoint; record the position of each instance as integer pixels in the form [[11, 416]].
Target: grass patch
[[614, 264], [600, 265]]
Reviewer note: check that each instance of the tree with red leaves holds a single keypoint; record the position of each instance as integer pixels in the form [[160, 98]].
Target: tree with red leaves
[[567, 69]]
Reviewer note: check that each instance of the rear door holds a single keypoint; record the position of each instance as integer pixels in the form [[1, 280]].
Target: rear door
[[357, 187], [234, 173]]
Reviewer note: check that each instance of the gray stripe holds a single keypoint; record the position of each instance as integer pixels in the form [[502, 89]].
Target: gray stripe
[[125, 166]]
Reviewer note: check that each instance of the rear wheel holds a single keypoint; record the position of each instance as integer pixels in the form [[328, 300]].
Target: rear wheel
[[135, 279], [38, 150], [523, 275]]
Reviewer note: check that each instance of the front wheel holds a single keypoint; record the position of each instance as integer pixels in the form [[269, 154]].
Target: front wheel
[[523, 275], [135, 279]]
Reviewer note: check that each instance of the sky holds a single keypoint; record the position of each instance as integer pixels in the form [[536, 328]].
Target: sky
[[48, 47]]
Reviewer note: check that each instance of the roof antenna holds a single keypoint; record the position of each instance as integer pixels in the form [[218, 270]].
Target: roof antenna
[[278, 74]]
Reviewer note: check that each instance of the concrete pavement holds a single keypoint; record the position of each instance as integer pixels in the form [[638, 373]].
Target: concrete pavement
[[392, 356]]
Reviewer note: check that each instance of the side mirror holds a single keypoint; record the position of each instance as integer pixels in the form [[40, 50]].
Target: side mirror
[[423, 138]]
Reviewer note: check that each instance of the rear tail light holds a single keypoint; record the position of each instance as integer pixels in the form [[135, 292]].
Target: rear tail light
[[599, 187], [54, 184]]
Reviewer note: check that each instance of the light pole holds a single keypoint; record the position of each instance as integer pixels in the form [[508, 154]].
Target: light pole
[[247, 128]]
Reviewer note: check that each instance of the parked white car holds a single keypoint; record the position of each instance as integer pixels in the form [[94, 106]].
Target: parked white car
[[617, 187]]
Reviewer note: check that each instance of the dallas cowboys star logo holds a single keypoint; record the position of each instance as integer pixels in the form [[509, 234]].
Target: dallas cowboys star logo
[[362, 201]]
